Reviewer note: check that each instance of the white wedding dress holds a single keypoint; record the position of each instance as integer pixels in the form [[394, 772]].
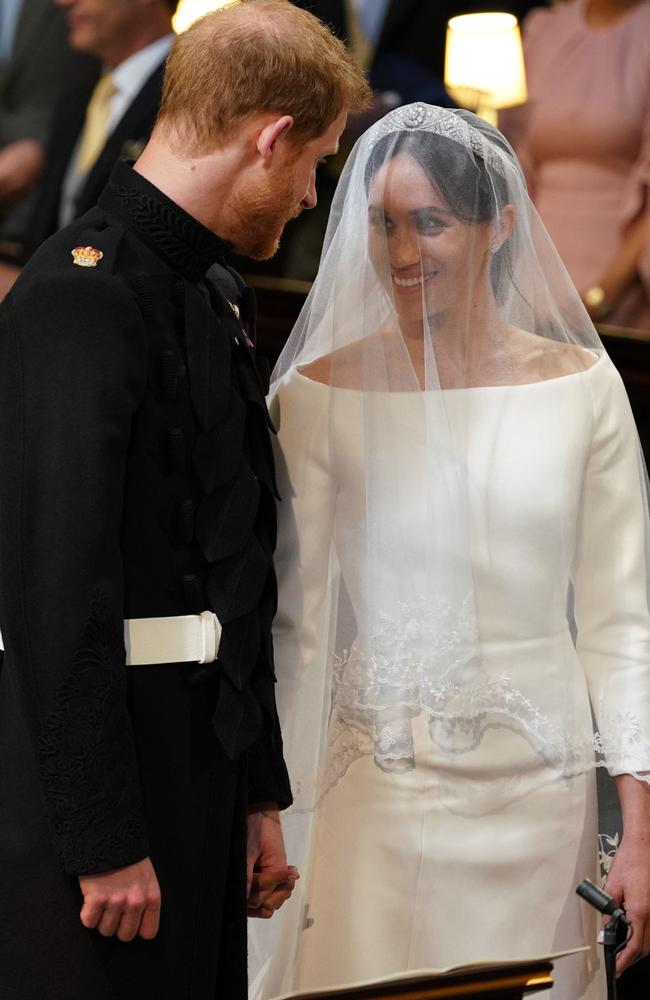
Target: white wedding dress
[[474, 851]]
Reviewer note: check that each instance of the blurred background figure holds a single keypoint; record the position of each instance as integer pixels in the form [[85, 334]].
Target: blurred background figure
[[399, 42], [584, 138], [95, 125], [36, 66]]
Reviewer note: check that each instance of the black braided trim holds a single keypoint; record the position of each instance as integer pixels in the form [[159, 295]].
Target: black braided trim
[[86, 755]]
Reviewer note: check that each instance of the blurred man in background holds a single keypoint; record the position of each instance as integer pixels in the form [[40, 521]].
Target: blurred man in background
[[36, 66], [93, 127]]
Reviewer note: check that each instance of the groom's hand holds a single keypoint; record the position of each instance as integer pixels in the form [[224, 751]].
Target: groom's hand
[[270, 881], [124, 902]]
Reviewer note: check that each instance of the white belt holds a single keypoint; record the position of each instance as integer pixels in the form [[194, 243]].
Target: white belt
[[182, 639]]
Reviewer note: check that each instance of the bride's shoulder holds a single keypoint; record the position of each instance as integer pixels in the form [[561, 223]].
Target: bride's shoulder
[[318, 371], [543, 358]]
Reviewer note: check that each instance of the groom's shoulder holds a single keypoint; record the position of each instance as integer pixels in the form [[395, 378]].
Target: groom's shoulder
[[75, 293], [88, 246], [75, 278]]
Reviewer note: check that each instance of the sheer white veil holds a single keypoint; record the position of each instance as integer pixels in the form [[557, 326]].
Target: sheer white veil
[[476, 172], [436, 278]]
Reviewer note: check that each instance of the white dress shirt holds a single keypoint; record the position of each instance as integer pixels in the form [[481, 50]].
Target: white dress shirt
[[129, 78]]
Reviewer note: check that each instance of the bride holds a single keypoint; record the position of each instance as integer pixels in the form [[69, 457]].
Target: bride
[[463, 582]]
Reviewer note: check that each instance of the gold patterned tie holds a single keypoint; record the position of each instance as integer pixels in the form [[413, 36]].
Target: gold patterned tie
[[95, 131]]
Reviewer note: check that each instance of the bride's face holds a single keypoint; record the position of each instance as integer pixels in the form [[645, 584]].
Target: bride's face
[[430, 261]]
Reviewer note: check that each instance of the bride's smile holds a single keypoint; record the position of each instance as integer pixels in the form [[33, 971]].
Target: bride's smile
[[405, 282]]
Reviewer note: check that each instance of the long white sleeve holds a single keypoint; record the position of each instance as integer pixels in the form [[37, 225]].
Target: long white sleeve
[[611, 582], [307, 488]]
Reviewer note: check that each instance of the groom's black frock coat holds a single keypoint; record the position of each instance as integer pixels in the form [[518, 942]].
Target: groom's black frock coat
[[136, 480]]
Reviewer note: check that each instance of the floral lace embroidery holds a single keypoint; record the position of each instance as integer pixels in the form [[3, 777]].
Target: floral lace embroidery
[[87, 759], [620, 740], [425, 659], [607, 848]]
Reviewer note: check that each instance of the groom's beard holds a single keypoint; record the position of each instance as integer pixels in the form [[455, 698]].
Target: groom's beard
[[261, 217]]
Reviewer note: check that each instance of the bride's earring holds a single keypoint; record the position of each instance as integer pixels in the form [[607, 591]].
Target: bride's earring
[[495, 247]]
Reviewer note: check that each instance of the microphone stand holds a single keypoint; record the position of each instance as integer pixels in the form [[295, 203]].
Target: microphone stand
[[616, 932]]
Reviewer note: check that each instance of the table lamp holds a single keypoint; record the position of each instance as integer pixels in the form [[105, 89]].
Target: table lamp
[[484, 63]]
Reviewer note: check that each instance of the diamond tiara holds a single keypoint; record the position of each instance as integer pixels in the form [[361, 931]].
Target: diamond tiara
[[441, 121]]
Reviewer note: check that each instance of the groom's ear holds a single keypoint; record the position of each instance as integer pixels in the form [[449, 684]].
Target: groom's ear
[[269, 134]]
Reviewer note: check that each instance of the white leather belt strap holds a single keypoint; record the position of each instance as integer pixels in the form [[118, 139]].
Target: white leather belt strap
[[182, 639]]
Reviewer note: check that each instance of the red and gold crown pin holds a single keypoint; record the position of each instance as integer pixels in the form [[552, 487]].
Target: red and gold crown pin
[[86, 256]]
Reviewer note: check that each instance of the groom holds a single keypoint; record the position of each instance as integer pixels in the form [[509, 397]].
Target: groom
[[141, 768]]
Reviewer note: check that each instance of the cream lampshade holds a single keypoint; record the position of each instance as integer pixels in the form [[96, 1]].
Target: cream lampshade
[[188, 11], [484, 63]]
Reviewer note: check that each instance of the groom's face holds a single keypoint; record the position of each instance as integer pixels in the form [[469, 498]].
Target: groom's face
[[305, 157], [264, 209]]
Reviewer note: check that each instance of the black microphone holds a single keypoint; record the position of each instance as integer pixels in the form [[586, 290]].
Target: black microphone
[[615, 933], [598, 899]]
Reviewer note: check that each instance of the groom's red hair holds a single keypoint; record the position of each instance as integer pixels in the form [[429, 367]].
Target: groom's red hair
[[257, 56]]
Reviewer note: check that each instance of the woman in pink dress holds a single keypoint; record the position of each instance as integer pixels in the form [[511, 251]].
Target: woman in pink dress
[[584, 139]]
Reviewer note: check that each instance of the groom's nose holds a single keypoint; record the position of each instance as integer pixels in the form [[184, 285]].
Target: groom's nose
[[311, 198]]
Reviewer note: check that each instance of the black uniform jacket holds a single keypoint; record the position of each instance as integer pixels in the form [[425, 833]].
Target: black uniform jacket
[[127, 139], [136, 481]]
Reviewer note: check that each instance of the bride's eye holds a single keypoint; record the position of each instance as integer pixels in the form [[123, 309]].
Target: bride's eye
[[379, 220], [429, 223]]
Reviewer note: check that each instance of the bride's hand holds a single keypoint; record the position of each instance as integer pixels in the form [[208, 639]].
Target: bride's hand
[[628, 881], [629, 884]]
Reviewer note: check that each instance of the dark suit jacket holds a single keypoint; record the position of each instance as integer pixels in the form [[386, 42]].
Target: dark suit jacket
[[409, 27], [126, 140], [40, 69], [42, 66]]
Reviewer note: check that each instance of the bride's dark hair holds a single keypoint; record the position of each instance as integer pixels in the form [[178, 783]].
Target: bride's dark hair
[[473, 192]]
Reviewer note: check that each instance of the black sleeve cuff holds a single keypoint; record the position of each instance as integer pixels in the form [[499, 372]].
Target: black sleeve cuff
[[268, 780]]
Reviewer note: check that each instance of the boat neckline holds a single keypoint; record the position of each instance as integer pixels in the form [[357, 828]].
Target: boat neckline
[[600, 358]]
